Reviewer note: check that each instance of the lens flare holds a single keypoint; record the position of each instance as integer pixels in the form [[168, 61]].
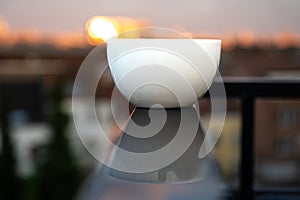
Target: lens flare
[[100, 29]]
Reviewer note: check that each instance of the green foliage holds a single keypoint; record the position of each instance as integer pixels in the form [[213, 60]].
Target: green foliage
[[9, 181], [58, 177]]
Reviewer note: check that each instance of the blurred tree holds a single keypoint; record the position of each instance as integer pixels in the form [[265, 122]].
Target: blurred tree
[[9, 181], [58, 176]]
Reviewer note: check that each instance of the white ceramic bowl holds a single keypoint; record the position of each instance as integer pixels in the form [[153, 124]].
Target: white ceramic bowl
[[169, 72]]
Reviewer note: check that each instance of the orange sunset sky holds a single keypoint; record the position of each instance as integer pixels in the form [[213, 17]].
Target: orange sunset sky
[[64, 22]]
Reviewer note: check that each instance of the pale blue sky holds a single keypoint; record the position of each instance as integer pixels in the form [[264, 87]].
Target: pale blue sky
[[218, 16]]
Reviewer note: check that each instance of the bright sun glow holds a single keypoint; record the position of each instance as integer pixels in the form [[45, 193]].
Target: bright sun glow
[[100, 28]]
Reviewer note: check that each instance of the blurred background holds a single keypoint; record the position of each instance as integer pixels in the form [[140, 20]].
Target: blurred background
[[43, 43]]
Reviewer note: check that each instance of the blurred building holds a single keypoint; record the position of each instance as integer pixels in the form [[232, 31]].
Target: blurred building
[[278, 141], [277, 129], [34, 68]]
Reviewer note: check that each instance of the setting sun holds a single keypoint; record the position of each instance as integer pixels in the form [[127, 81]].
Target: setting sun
[[100, 29]]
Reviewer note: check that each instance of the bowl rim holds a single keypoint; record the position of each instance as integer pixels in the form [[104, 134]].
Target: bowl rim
[[167, 39]]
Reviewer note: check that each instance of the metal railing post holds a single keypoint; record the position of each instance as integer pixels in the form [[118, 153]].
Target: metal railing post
[[247, 149]]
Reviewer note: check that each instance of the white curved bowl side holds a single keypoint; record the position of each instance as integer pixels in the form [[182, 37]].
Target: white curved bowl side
[[163, 71]]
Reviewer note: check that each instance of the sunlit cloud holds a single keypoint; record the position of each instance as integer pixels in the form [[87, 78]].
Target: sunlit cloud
[[286, 39], [3, 28], [69, 39], [246, 38]]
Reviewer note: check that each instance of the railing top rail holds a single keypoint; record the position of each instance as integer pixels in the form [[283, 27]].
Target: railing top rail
[[259, 87]]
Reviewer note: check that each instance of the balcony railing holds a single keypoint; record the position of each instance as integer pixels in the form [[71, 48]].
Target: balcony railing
[[248, 90]]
